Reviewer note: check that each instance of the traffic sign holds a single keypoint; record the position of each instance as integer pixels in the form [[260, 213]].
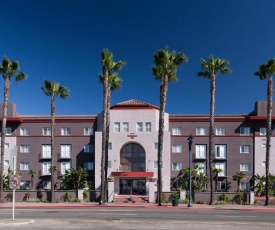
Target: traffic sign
[[14, 182]]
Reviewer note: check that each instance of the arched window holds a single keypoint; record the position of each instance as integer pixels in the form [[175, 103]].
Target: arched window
[[132, 158]]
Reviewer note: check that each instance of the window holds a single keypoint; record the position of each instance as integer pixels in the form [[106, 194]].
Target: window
[[88, 148], [24, 185], [6, 162], [200, 131], [24, 165], [46, 131], [65, 131], [156, 164], [89, 165], [65, 166], [222, 167], [24, 148], [110, 164], [8, 131], [177, 131], [221, 186], [244, 148], [176, 148], [117, 127], [66, 151], [7, 145], [220, 131], [156, 145], [201, 167], [245, 131], [220, 151], [263, 145], [110, 146], [245, 186], [263, 131], [46, 151], [245, 167], [24, 131], [200, 151], [139, 127], [46, 184], [125, 127], [46, 168], [176, 166], [88, 131], [263, 163], [148, 127]]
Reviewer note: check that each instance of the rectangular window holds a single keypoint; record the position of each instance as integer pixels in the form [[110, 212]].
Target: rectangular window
[[24, 131], [46, 151], [46, 168], [245, 167], [117, 127], [245, 186], [7, 145], [263, 131], [125, 127], [139, 127], [220, 131], [156, 145], [88, 131], [222, 167], [46, 131], [263, 163], [244, 148], [66, 151], [200, 131], [220, 151], [245, 131], [24, 185], [88, 148], [200, 151], [148, 127], [8, 131], [221, 186], [177, 166], [24, 166], [65, 166], [46, 184], [201, 167], [177, 131], [176, 148], [263, 145], [110, 146], [6, 162], [109, 164], [89, 165], [24, 148], [156, 164], [65, 131]]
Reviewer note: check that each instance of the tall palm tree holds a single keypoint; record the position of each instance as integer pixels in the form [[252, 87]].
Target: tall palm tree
[[210, 70], [267, 71], [217, 171], [8, 69], [238, 177], [165, 70], [54, 89], [111, 81], [32, 172]]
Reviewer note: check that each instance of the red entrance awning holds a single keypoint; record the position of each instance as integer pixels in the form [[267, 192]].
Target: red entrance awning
[[133, 174]]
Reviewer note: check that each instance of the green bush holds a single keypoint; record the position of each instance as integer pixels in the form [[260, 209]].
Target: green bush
[[40, 195], [67, 197], [239, 199], [34, 200], [76, 200], [224, 198], [200, 202], [181, 201], [85, 194]]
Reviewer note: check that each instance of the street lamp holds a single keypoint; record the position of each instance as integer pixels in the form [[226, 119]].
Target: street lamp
[[190, 141]]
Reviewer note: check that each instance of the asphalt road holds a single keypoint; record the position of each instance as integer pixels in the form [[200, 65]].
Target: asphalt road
[[139, 218]]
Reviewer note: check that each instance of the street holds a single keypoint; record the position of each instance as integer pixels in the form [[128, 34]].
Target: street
[[139, 218]]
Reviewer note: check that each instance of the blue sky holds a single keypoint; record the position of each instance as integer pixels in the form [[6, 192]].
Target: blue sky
[[61, 40]]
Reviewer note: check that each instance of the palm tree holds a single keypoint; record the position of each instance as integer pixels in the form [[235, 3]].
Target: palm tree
[[111, 81], [32, 172], [217, 171], [54, 89], [210, 71], [238, 177], [267, 71], [8, 69], [165, 70]]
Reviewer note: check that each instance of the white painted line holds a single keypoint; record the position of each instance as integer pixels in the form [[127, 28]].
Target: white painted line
[[121, 214], [236, 216]]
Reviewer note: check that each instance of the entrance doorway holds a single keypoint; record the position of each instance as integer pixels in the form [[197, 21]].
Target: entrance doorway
[[133, 186]]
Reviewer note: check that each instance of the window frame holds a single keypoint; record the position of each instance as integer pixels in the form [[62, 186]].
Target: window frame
[[24, 148], [224, 153], [88, 148], [24, 131], [179, 166], [261, 132], [243, 149], [198, 153], [177, 131], [177, 148], [218, 164], [125, 127], [245, 131], [65, 131], [200, 132], [139, 127], [88, 131], [117, 127], [46, 131], [89, 163], [220, 131], [148, 127], [24, 166], [66, 152], [245, 167]]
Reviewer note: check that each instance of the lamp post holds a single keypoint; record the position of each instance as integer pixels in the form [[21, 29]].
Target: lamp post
[[190, 141]]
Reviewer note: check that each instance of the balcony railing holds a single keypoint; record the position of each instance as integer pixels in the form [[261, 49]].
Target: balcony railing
[[43, 156], [65, 155]]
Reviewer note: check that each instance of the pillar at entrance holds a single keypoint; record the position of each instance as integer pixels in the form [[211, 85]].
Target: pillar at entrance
[[111, 190]]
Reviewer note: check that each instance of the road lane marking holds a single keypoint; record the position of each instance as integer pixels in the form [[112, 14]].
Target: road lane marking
[[122, 214], [236, 216]]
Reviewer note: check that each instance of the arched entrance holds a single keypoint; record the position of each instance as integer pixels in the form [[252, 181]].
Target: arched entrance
[[132, 159]]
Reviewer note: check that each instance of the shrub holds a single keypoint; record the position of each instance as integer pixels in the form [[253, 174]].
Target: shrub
[[164, 200], [34, 200], [239, 199], [85, 194], [76, 200], [40, 195], [224, 198], [67, 197], [181, 201], [9, 196], [200, 202]]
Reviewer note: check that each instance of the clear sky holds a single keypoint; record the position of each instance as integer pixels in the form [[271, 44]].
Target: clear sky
[[61, 40]]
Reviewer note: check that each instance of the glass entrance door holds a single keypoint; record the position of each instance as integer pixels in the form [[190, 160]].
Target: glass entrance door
[[132, 186]]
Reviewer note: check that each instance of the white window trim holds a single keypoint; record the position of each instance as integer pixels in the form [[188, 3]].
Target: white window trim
[[245, 129], [117, 127], [177, 131], [179, 166], [243, 149], [261, 131], [200, 131], [245, 167], [220, 131], [139, 127], [125, 127], [176, 148], [199, 152], [224, 153]]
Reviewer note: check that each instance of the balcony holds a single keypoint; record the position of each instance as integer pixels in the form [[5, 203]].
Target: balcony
[[44, 156], [44, 173], [64, 156], [197, 156]]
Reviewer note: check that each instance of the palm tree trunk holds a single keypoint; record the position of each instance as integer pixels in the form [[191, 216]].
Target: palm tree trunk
[[211, 134], [52, 147], [268, 136], [163, 93], [3, 139]]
